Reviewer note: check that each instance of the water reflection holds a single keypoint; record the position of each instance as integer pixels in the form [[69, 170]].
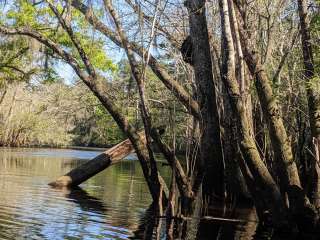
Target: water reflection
[[108, 206], [147, 224], [114, 204], [84, 200]]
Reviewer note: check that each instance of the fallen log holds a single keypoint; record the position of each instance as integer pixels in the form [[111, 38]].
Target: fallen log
[[96, 165]]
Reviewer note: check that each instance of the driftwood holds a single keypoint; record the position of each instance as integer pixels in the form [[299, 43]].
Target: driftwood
[[96, 165]]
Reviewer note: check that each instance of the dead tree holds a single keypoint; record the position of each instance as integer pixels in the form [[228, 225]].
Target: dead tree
[[104, 160]]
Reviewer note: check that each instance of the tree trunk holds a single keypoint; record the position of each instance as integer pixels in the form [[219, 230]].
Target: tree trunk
[[285, 164], [85, 171], [139, 78], [271, 198], [286, 167], [184, 184], [211, 156], [231, 149], [313, 94]]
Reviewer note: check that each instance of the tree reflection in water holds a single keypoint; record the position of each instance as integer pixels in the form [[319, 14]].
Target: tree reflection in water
[[111, 205], [84, 200]]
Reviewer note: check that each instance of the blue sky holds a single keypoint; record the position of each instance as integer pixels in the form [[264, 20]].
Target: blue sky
[[67, 73]]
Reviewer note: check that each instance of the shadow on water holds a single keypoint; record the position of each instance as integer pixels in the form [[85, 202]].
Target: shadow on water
[[147, 225], [108, 206], [211, 229], [114, 204], [84, 200]]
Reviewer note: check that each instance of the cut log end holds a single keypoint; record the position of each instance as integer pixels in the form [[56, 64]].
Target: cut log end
[[63, 181]]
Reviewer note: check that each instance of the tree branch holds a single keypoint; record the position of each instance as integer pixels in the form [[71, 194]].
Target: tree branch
[[184, 97]]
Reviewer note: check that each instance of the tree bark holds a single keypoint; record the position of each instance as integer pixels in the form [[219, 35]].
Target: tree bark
[[299, 204], [85, 171], [211, 155], [271, 197], [313, 94], [285, 164]]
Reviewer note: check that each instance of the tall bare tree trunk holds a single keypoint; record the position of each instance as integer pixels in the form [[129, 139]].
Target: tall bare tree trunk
[[285, 163], [137, 74], [286, 167], [272, 199], [233, 150], [313, 94], [211, 156]]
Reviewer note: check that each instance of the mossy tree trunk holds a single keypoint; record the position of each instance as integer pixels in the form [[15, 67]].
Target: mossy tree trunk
[[313, 94], [253, 167]]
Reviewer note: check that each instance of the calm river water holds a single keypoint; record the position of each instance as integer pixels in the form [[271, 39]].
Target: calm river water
[[111, 205]]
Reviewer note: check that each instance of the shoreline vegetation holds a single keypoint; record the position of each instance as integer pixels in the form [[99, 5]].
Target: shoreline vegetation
[[84, 148], [53, 114]]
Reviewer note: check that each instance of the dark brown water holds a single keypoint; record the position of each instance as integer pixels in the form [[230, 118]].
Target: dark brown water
[[111, 205]]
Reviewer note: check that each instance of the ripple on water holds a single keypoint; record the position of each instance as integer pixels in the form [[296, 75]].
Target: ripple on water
[[108, 207]]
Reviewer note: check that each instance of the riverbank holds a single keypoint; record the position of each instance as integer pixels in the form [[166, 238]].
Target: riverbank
[[99, 149]]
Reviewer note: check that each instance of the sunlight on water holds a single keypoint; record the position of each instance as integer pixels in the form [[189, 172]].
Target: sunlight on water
[[111, 205], [108, 206]]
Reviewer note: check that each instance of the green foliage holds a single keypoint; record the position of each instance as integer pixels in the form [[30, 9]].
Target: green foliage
[[314, 83], [91, 125], [23, 14], [15, 58], [315, 32], [110, 130], [40, 16]]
